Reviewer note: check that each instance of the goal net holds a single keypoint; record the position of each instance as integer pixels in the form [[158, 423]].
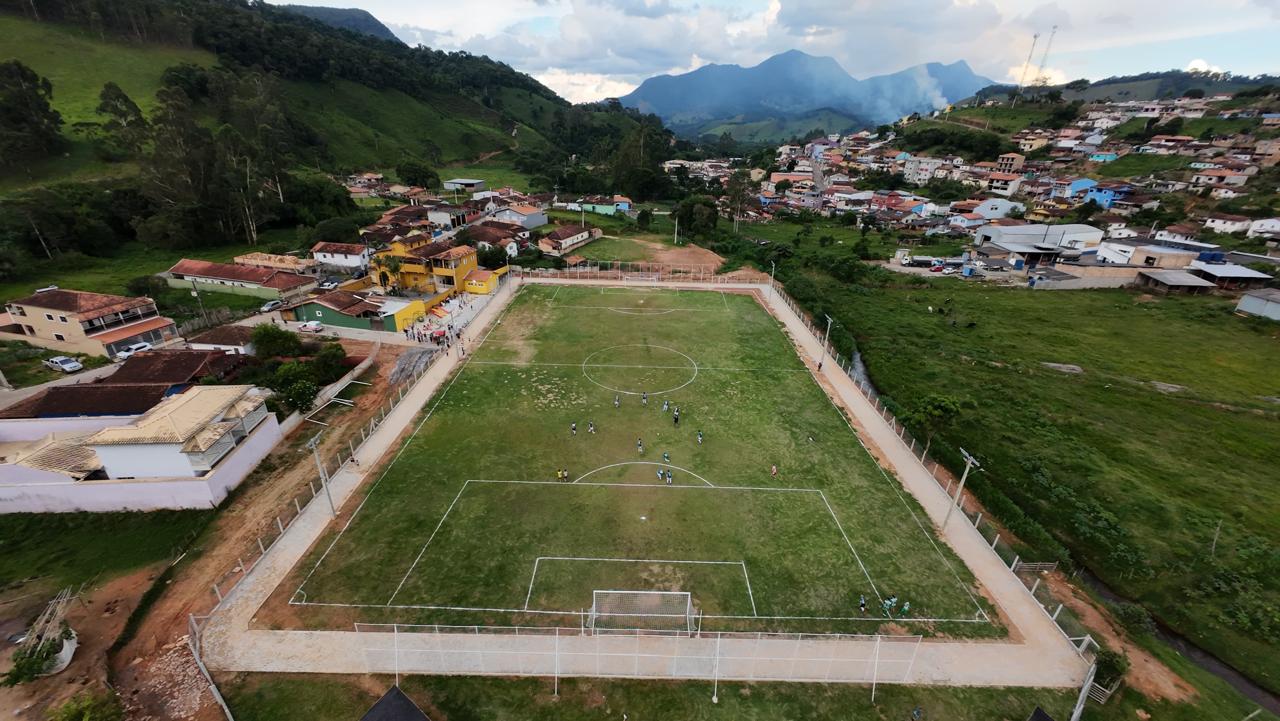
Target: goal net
[[642, 611], [641, 278]]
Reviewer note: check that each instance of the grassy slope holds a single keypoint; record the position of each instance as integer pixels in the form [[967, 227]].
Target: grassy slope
[[282, 697], [1167, 467], [1139, 164], [70, 548], [882, 245], [22, 363], [495, 173], [109, 275], [779, 128], [1003, 120], [78, 64]]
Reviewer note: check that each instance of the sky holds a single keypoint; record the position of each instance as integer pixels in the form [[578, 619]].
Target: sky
[[591, 49]]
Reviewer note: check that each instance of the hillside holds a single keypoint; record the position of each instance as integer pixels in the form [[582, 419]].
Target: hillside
[[1146, 86], [770, 100], [353, 19]]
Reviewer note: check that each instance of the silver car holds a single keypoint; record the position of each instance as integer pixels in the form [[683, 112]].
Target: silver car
[[63, 364]]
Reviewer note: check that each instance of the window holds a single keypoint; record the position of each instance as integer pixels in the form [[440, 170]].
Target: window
[[48, 316], [319, 313], [62, 319], [59, 336]]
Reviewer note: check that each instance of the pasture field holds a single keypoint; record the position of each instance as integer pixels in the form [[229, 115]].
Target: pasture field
[[469, 523]]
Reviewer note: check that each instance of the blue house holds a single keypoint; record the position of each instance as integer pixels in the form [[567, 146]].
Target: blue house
[[1071, 187]]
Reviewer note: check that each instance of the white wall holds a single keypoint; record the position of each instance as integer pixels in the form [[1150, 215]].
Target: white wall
[[30, 429], [24, 492], [144, 460]]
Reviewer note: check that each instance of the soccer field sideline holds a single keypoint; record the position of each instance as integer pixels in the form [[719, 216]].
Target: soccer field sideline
[[1043, 657]]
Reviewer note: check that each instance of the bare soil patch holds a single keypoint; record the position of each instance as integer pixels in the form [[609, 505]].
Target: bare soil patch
[[1146, 673]]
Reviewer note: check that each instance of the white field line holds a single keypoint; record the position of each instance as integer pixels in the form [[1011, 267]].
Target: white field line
[[540, 559], [479, 609], [645, 463], [750, 595], [552, 301], [428, 543], [856, 557], [654, 310], [725, 298], [653, 485], [619, 365], [894, 485], [404, 446], [636, 311]]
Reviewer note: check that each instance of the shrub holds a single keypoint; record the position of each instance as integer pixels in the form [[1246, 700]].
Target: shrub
[[86, 706], [1134, 617], [1111, 666]]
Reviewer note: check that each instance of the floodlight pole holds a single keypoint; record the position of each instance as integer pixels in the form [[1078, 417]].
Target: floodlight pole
[[314, 445], [773, 268], [969, 462]]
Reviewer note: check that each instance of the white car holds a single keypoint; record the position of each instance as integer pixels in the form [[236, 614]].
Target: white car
[[270, 306], [63, 363], [948, 271], [311, 326], [135, 348]]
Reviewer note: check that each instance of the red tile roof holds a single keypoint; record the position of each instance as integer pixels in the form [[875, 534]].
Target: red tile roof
[[88, 399], [224, 335], [85, 304], [171, 367], [566, 231], [339, 248], [265, 277]]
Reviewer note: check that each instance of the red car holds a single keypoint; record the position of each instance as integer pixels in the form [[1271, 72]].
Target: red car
[[935, 269]]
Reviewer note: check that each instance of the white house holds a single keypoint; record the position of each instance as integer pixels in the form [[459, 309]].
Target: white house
[[526, 216], [350, 256], [1266, 226], [1074, 236], [230, 339], [1264, 302], [188, 451], [1223, 223], [998, 208], [468, 184]]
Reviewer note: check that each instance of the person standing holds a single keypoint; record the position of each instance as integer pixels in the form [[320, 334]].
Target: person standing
[[773, 470], [640, 445], [591, 427], [573, 428], [644, 398], [617, 402], [862, 605], [669, 476], [699, 437]]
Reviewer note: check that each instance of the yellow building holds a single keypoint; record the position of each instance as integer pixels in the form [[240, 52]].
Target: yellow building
[[451, 267], [439, 269], [484, 282], [414, 269]]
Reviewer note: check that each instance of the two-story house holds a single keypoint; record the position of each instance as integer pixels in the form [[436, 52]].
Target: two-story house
[[73, 321], [347, 256]]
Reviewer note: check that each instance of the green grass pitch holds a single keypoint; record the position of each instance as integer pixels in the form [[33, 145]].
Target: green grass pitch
[[470, 524]]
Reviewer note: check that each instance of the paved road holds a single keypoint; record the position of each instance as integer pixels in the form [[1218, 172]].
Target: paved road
[[1039, 655]]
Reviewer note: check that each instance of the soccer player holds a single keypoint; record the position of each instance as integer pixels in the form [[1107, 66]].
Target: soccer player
[[666, 406], [669, 476], [659, 474], [616, 400], [573, 428], [862, 604], [906, 609], [699, 437], [676, 419], [773, 470], [591, 427], [666, 457], [644, 398], [640, 445]]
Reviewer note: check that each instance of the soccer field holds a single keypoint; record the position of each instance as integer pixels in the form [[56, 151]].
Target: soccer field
[[470, 524]]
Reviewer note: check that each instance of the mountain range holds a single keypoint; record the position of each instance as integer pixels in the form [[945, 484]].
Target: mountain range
[[792, 88]]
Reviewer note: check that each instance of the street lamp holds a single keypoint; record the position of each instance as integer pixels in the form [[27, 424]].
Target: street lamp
[[969, 462], [314, 445]]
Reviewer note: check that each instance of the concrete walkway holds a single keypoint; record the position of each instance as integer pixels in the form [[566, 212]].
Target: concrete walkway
[[1041, 656]]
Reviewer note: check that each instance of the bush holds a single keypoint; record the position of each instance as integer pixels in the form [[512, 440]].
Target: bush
[[270, 340], [1134, 617], [86, 706], [148, 285], [1111, 666]]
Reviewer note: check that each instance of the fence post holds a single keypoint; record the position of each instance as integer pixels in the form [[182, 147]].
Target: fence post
[[1014, 566], [296, 505], [279, 524], [1035, 586], [261, 548], [1056, 611], [994, 541], [978, 520], [217, 592]]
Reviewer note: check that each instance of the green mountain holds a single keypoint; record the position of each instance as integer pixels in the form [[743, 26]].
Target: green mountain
[[353, 19], [189, 123], [1144, 86]]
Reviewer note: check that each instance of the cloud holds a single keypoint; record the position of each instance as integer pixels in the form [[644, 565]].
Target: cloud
[[1200, 65], [1031, 74], [583, 87]]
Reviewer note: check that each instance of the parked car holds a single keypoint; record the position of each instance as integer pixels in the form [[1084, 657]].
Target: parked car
[[63, 363], [935, 269], [135, 348], [949, 271], [311, 326], [330, 283], [271, 305]]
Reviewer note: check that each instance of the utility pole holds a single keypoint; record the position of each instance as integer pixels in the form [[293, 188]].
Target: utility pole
[[773, 268], [675, 237], [200, 301], [314, 445], [825, 340], [969, 462]]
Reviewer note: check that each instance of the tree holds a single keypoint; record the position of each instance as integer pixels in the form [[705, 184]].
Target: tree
[[272, 341], [330, 363], [1083, 212], [388, 267], [29, 126], [644, 219], [781, 187], [935, 413], [299, 395], [124, 129], [739, 191], [416, 172], [1194, 93], [336, 230], [697, 214], [1078, 86]]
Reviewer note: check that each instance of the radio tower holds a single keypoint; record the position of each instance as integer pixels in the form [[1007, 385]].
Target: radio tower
[[1022, 81]]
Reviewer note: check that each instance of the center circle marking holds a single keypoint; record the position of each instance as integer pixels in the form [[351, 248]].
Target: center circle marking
[[586, 365]]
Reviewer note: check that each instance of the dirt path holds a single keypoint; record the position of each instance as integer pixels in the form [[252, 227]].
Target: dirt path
[[1146, 673], [155, 672]]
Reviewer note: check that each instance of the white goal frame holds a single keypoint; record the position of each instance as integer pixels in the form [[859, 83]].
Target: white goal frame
[[628, 611]]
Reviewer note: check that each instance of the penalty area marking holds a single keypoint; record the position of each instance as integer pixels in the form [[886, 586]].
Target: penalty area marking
[[534, 576], [644, 463]]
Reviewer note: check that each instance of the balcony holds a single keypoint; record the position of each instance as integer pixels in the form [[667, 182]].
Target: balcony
[[118, 320]]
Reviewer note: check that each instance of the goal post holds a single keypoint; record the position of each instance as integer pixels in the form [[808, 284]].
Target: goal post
[[654, 611]]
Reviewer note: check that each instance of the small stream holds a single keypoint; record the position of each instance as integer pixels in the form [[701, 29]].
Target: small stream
[[1193, 653]]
